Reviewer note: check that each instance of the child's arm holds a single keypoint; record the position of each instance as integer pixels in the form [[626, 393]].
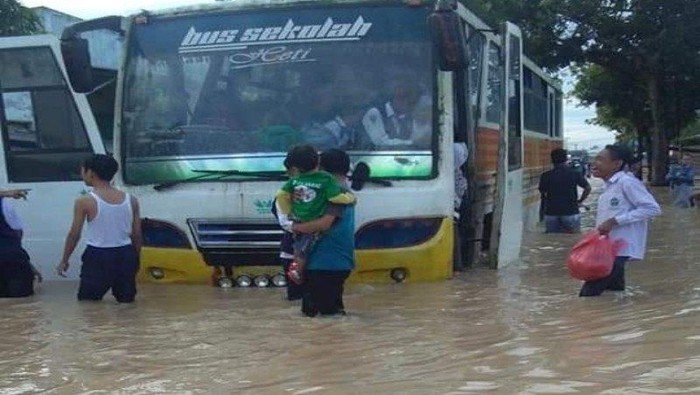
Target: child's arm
[[136, 234], [79, 216], [343, 198], [336, 194], [282, 218], [318, 225], [284, 198], [284, 202]]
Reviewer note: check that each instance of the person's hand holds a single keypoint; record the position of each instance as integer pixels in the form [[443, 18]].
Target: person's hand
[[287, 225], [605, 228], [37, 274], [17, 193], [62, 268]]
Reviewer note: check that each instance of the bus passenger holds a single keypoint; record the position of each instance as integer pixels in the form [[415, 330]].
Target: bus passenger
[[333, 257], [306, 196], [422, 128], [341, 131], [111, 259], [392, 124], [16, 272]]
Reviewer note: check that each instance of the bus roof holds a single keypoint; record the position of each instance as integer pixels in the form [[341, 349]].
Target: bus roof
[[224, 6], [235, 5]]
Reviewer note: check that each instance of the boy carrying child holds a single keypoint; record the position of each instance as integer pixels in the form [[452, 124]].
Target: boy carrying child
[[305, 197]]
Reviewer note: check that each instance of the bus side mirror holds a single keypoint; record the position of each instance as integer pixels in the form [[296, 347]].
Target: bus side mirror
[[76, 57], [360, 176], [449, 39]]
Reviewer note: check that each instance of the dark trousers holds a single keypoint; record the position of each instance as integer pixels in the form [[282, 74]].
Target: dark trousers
[[294, 290], [323, 292], [16, 279], [614, 282], [105, 268]]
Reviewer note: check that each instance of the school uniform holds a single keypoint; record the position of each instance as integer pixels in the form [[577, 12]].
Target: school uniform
[[628, 201], [387, 128], [16, 275], [110, 261]]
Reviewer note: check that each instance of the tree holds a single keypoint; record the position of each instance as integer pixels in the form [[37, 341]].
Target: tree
[[648, 49], [16, 20], [621, 104], [652, 42]]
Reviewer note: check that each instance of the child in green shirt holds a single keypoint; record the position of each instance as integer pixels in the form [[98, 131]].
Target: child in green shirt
[[305, 197]]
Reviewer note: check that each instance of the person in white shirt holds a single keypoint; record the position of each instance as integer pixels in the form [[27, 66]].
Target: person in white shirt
[[624, 210], [111, 259], [461, 154], [392, 125]]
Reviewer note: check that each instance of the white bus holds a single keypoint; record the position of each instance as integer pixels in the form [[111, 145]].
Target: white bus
[[210, 98], [47, 131]]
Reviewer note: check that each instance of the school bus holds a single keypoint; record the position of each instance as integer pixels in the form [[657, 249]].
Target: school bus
[[210, 98]]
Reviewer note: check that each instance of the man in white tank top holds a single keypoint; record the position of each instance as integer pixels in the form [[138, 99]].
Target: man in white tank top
[[113, 233]]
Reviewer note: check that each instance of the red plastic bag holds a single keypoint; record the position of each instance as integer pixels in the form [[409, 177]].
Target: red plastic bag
[[592, 258]]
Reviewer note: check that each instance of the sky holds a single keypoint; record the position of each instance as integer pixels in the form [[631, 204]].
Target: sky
[[577, 133]]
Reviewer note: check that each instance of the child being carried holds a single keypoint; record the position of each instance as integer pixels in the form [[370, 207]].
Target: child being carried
[[305, 197]]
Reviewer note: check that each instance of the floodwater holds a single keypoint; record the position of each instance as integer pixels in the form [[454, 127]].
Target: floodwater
[[520, 330]]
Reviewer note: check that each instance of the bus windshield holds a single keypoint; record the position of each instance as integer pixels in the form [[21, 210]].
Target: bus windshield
[[227, 91]]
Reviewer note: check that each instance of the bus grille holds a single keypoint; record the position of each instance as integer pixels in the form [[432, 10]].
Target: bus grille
[[240, 235]]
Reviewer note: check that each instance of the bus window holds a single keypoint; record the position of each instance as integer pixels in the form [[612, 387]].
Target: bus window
[[493, 93], [364, 84], [515, 133], [476, 56], [44, 139]]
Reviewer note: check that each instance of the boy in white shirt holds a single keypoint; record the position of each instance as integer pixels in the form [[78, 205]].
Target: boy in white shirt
[[624, 211]]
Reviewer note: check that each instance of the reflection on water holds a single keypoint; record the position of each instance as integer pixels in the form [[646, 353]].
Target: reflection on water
[[518, 330]]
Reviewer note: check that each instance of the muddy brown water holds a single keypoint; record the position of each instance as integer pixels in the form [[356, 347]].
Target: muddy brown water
[[519, 330]]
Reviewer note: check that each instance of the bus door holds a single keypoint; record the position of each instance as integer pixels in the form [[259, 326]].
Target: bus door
[[47, 131], [506, 237]]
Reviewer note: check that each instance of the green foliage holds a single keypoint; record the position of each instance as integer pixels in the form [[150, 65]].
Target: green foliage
[[620, 98], [16, 20], [692, 130], [638, 61]]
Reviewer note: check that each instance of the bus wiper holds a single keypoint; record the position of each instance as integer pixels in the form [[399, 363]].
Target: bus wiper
[[215, 175]]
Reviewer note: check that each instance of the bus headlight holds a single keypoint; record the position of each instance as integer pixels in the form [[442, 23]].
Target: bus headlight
[[261, 281], [279, 280], [244, 281], [225, 282], [397, 233], [157, 273], [398, 275]]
